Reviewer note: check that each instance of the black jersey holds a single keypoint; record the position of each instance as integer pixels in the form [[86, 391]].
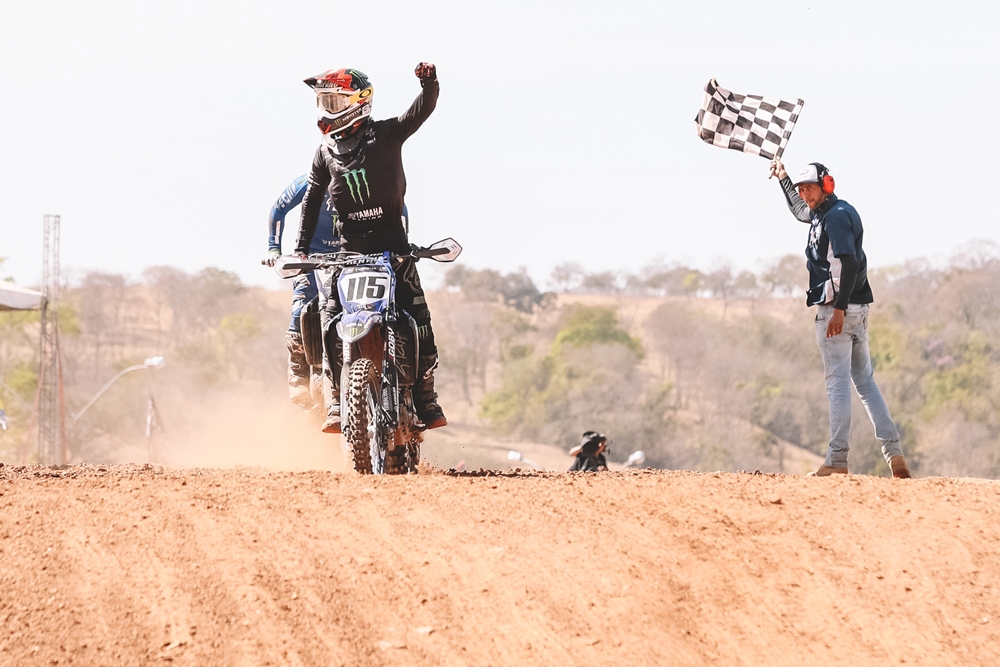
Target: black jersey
[[594, 463], [367, 185]]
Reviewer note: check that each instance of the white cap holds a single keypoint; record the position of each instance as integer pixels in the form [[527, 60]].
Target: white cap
[[807, 174]]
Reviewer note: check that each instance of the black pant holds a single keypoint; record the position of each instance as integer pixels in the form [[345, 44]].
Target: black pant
[[410, 297]]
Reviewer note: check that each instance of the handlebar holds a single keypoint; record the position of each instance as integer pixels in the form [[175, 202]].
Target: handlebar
[[445, 250], [327, 260]]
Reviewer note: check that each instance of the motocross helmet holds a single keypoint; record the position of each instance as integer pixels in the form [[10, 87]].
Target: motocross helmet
[[343, 101], [590, 444]]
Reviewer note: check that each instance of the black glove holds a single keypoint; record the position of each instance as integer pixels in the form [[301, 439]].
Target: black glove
[[426, 72]]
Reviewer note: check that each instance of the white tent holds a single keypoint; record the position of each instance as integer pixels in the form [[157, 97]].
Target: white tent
[[15, 297]]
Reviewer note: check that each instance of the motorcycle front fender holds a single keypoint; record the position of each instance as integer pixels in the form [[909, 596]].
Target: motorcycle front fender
[[355, 326]]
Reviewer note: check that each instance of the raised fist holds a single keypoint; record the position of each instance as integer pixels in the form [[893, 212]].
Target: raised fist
[[426, 72]]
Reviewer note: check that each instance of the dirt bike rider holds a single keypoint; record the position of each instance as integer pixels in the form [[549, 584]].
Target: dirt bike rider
[[325, 239], [304, 289], [590, 453], [360, 164]]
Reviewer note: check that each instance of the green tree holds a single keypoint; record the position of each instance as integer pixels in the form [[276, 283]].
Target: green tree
[[516, 290], [590, 378], [598, 325]]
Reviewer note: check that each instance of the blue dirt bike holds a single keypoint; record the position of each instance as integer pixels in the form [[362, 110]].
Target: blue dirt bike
[[378, 347]]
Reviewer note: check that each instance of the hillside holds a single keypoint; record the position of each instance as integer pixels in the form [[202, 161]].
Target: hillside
[[701, 371]]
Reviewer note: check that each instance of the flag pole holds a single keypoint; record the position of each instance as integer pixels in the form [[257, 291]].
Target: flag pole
[[777, 156]]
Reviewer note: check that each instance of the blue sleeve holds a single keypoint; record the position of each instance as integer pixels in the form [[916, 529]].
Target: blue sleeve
[[289, 199], [406, 220], [841, 229]]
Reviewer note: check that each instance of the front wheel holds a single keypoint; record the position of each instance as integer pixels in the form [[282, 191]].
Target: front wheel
[[413, 454], [361, 430]]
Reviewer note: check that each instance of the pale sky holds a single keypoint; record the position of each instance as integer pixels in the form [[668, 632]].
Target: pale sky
[[162, 132]]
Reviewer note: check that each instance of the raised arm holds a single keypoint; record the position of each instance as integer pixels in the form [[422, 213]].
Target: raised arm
[[795, 204], [319, 180], [426, 101]]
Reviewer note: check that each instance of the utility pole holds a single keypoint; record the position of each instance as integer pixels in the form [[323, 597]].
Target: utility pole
[[50, 400]]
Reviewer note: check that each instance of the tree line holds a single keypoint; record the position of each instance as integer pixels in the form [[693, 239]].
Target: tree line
[[702, 369], [719, 369], [215, 333]]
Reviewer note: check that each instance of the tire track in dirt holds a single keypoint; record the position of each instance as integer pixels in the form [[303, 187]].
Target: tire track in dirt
[[272, 575], [129, 565]]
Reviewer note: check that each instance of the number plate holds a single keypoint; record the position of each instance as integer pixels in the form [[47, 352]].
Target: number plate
[[364, 287]]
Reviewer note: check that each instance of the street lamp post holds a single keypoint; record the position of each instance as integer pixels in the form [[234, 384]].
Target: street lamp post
[[151, 362]]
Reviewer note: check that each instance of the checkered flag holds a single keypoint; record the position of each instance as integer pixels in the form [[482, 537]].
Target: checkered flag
[[748, 123]]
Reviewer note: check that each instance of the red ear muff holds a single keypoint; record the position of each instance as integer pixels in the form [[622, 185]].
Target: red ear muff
[[828, 184]]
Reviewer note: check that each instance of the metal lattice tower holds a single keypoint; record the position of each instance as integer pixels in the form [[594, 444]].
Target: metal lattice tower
[[51, 407]]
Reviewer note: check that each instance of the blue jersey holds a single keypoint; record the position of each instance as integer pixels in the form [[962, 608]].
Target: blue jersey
[[326, 238]]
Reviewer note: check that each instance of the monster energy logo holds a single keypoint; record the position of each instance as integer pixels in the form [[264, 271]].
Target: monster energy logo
[[354, 178]]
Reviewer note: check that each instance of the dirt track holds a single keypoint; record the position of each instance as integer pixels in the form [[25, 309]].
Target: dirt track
[[121, 565]]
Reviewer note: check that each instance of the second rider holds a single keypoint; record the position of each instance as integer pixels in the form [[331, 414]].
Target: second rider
[[359, 164]]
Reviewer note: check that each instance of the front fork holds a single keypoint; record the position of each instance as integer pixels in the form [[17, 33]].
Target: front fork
[[377, 346]]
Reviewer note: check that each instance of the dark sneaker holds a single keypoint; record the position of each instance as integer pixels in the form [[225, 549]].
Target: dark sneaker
[[899, 468], [432, 415], [826, 471]]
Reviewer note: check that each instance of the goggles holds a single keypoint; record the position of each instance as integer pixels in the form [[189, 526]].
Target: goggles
[[335, 102]]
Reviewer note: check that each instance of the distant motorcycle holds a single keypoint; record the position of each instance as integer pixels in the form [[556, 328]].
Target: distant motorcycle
[[591, 454], [380, 349]]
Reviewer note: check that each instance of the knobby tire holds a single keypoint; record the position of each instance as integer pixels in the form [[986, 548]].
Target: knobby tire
[[412, 455], [361, 393], [395, 461]]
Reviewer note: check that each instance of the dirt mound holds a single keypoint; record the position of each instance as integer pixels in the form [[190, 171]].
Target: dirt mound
[[135, 565]]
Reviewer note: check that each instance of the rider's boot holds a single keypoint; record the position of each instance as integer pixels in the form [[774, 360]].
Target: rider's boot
[[331, 368], [424, 396], [298, 371], [332, 423]]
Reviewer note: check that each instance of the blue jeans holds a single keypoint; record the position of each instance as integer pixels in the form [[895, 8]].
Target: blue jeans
[[846, 359], [304, 290]]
